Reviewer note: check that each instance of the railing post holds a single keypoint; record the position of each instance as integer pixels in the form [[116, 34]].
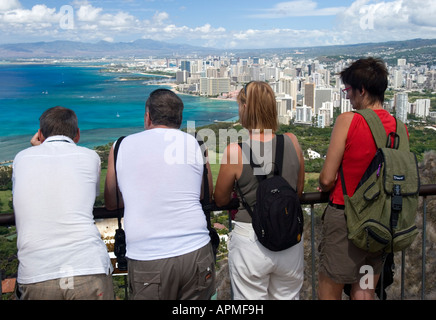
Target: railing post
[[312, 244], [403, 266], [424, 239]]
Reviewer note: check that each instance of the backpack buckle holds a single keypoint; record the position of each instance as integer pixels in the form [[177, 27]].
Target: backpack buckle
[[397, 199], [397, 203]]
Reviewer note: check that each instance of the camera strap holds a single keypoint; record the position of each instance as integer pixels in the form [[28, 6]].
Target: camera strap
[[117, 146]]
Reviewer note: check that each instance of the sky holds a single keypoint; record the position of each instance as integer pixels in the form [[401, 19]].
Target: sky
[[221, 24]]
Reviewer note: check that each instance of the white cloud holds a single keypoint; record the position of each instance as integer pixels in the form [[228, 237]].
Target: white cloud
[[374, 21], [6, 5], [160, 17], [88, 13], [37, 15], [361, 21], [297, 8]]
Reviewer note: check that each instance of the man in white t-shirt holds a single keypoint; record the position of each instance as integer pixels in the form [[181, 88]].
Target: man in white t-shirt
[[60, 251], [159, 173]]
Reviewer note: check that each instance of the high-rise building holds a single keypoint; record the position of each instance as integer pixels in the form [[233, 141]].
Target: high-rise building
[[397, 79], [430, 83], [401, 62], [182, 76], [185, 65], [401, 106], [214, 86], [422, 107], [345, 105], [309, 95], [304, 114], [284, 108], [289, 86], [322, 95]]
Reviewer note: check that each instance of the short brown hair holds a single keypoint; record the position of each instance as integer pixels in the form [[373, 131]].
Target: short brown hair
[[59, 121], [165, 108], [260, 110], [369, 73]]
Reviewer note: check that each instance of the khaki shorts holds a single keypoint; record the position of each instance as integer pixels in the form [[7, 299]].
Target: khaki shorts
[[187, 277], [340, 259], [90, 287]]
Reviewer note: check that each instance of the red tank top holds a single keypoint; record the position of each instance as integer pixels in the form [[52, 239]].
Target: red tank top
[[360, 148]]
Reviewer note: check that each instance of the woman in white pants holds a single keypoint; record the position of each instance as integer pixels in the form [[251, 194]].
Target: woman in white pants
[[255, 271]]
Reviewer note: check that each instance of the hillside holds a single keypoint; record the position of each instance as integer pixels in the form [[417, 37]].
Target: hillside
[[147, 48]]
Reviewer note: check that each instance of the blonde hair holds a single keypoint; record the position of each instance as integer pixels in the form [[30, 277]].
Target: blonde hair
[[260, 110]]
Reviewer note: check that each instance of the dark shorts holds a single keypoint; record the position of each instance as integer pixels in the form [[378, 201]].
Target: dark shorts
[[187, 277], [340, 259]]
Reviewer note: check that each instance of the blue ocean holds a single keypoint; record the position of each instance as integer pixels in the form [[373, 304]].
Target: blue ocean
[[106, 104]]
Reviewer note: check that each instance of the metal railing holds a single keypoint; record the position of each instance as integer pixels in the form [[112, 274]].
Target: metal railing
[[309, 199]]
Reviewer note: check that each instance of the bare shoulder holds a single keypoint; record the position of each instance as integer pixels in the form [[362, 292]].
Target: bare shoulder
[[232, 147], [293, 138], [345, 117]]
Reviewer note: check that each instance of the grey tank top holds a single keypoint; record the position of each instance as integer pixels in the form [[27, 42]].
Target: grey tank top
[[248, 182]]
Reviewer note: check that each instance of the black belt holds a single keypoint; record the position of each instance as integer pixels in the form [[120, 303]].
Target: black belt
[[337, 206]]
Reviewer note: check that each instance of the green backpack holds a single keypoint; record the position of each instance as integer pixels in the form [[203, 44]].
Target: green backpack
[[381, 213]]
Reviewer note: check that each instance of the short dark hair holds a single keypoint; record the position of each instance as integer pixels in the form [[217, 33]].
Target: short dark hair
[[165, 108], [59, 121], [369, 73]]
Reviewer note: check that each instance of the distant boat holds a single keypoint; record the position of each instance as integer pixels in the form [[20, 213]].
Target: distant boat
[[118, 115], [45, 92]]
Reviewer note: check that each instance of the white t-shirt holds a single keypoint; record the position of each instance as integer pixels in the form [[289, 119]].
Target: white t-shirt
[[54, 190], [160, 175]]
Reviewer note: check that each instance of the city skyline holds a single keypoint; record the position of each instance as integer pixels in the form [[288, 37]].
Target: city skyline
[[221, 25]]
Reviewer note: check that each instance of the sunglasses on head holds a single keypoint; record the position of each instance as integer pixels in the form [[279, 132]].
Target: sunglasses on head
[[245, 87]]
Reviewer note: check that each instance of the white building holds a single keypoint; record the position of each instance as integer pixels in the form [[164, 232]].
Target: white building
[[214, 86], [346, 105], [313, 154], [422, 107], [401, 106], [284, 108], [322, 95], [304, 114]]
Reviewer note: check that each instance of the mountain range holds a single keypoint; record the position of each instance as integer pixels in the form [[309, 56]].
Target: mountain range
[[147, 48]]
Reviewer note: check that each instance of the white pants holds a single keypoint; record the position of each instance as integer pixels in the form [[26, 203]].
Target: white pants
[[257, 273]]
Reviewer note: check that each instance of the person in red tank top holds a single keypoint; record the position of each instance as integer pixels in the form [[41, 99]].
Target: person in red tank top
[[353, 146]]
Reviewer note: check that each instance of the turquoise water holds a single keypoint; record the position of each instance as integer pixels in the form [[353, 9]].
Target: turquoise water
[[106, 106]]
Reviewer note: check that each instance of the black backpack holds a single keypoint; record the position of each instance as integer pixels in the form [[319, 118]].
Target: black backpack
[[277, 216]]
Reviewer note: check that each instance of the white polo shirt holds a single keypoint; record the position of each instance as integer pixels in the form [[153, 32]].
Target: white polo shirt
[[160, 174], [54, 190]]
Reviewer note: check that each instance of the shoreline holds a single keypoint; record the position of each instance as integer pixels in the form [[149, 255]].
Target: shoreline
[[11, 145]]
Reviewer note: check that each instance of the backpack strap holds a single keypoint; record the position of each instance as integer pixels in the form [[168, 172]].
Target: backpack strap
[[277, 167], [280, 149], [206, 198], [117, 147], [375, 125], [399, 137], [378, 133], [402, 136]]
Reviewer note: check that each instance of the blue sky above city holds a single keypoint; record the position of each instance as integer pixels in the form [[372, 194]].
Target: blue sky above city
[[224, 24]]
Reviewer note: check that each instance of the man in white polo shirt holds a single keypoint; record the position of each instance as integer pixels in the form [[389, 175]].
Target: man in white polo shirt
[[55, 182], [160, 174]]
